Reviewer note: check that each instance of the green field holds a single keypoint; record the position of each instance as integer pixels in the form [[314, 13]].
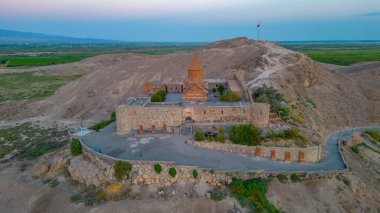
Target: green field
[[28, 61], [29, 55], [26, 85], [339, 54]]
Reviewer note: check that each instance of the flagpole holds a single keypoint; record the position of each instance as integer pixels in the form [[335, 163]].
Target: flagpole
[[258, 34]]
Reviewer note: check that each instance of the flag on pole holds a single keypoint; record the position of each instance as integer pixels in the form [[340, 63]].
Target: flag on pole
[[258, 25]]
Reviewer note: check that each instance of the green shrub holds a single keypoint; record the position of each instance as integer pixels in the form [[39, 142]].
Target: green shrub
[[53, 183], [216, 195], [282, 178], [209, 138], [172, 172], [101, 124], [122, 170], [252, 192], [284, 112], [158, 96], [230, 96], [221, 89], [75, 198], [355, 149], [75, 147], [245, 134], [221, 136], [374, 134], [199, 136], [268, 95], [289, 134], [295, 178], [214, 90], [157, 168], [195, 174]]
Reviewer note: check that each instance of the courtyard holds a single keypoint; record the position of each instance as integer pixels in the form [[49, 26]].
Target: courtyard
[[175, 148]]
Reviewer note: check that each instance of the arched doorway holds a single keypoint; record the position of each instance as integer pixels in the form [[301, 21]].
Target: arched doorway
[[188, 119]]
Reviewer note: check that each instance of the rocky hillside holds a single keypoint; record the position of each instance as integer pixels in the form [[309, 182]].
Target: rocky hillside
[[108, 80]]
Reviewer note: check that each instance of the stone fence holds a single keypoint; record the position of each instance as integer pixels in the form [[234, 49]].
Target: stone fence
[[143, 171], [288, 154]]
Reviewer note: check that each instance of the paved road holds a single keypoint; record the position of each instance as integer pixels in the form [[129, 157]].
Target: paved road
[[175, 149]]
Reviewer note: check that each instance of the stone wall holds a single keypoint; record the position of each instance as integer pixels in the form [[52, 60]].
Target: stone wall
[[131, 117], [144, 173], [218, 114], [260, 114], [296, 154]]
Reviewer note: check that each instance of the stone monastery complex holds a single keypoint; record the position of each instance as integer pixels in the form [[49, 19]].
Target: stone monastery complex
[[191, 102]]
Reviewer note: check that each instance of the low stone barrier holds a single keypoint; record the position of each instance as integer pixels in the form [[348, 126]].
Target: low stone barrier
[[288, 154], [143, 171]]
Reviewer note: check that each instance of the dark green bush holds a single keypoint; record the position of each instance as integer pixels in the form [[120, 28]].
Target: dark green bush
[[158, 96], [374, 134], [355, 149], [284, 112], [157, 168], [75, 147], [172, 172], [221, 136], [245, 134], [282, 178], [289, 134], [122, 170], [216, 195], [295, 178], [195, 173], [230, 97], [252, 192], [101, 124], [221, 89], [214, 90], [199, 136], [75, 198]]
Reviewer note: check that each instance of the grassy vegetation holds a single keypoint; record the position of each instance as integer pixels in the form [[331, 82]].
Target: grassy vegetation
[[26, 85], [101, 124], [122, 170], [282, 178], [295, 178], [27, 55], [158, 96], [195, 173], [29, 142], [75, 147], [270, 95], [245, 134], [172, 172], [229, 97], [340, 54], [199, 136], [158, 168], [39, 60], [252, 193], [289, 134], [373, 136]]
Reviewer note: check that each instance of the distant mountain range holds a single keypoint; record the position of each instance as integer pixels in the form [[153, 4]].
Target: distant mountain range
[[14, 37]]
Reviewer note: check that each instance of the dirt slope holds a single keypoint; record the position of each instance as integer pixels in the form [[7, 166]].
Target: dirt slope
[[108, 80]]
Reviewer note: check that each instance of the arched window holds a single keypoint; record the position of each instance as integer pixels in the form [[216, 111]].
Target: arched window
[[222, 112], [204, 112]]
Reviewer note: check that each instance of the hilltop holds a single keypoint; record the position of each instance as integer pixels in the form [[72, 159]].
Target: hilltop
[[108, 80]]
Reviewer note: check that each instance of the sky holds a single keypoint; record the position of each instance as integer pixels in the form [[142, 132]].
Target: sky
[[195, 20]]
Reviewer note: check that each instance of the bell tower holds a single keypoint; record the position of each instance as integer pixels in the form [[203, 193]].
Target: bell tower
[[195, 72]]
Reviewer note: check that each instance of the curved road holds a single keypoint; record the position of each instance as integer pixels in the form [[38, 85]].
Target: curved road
[[175, 149]]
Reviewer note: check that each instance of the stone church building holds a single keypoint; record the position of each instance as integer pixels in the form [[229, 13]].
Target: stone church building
[[191, 102]]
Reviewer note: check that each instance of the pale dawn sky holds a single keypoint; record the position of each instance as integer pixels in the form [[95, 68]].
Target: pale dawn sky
[[196, 20]]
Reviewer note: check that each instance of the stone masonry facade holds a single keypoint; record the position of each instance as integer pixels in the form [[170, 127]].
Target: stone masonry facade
[[311, 154]]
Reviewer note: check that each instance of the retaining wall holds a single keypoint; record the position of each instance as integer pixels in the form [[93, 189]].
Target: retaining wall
[[143, 171], [295, 154]]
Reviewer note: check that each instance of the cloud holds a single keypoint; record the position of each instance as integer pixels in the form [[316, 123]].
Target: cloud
[[371, 14]]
